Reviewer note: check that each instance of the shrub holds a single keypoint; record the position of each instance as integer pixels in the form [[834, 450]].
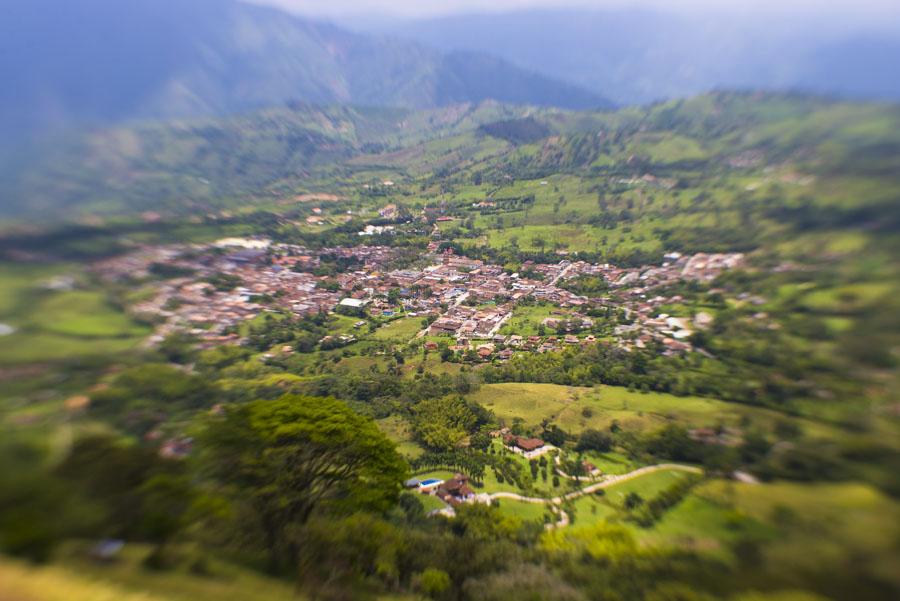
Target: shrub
[[433, 581]]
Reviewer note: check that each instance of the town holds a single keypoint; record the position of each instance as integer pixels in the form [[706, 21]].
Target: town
[[208, 291]]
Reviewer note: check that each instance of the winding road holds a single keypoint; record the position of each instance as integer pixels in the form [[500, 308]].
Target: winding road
[[605, 483]]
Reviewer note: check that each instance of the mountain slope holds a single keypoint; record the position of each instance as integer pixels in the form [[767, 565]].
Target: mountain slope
[[199, 164], [194, 166], [101, 61]]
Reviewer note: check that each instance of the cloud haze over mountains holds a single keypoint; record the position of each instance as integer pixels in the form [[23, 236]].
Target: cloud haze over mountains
[[101, 61], [88, 62], [638, 55], [865, 10]]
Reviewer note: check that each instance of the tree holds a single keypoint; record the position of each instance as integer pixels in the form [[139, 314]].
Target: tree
[[433, 582], [633, 500], [37, 510], [290, 457], [480, 441], [594, 440], [115, 476], [166, 501], [440, 423], [555, 435]]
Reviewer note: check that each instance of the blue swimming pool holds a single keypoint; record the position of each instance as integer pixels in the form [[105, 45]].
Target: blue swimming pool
[[429, 482]]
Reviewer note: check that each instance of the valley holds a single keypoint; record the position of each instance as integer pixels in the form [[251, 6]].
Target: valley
[[600, 350]]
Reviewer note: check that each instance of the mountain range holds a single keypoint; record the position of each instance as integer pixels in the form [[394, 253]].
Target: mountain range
[[266, 158], [96, 62], [636, 56]]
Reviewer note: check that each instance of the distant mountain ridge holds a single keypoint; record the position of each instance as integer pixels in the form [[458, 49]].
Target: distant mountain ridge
[[93, 62], [638, 56]]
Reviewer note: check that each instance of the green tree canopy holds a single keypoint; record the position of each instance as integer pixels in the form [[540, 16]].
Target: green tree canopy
[[440, 423], [289, 457]]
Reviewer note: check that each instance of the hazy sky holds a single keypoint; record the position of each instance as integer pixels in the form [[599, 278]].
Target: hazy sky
[[855, 9]]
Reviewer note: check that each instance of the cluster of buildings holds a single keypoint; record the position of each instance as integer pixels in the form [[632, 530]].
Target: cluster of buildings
[[209, 290], [453, 492]]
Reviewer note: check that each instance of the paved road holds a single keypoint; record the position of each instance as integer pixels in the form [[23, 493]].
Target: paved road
[[459, 300], [561, 274], [499, 325]]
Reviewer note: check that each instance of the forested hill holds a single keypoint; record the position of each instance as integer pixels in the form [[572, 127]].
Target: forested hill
[[187, 165], [210, 164], [102, 61]]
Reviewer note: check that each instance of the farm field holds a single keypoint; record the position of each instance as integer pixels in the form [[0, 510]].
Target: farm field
[[647, 486], [575, 409], [817, 528]]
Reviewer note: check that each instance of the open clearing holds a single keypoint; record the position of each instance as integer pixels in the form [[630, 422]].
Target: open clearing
[[576, 409], [399, 330], [529, 512], [55, 325]]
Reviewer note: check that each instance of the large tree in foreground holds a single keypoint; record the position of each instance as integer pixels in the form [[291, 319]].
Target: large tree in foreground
[[293, 456]]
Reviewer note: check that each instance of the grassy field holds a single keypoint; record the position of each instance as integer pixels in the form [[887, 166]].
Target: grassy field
[[646, 485], [59, 324], [75, 578], [528, 512], [396, 428], [526, 319], [803, 526], [576, 408], [399, 330], [612, 462], [431, 502], [590, 509], [84, 314]]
